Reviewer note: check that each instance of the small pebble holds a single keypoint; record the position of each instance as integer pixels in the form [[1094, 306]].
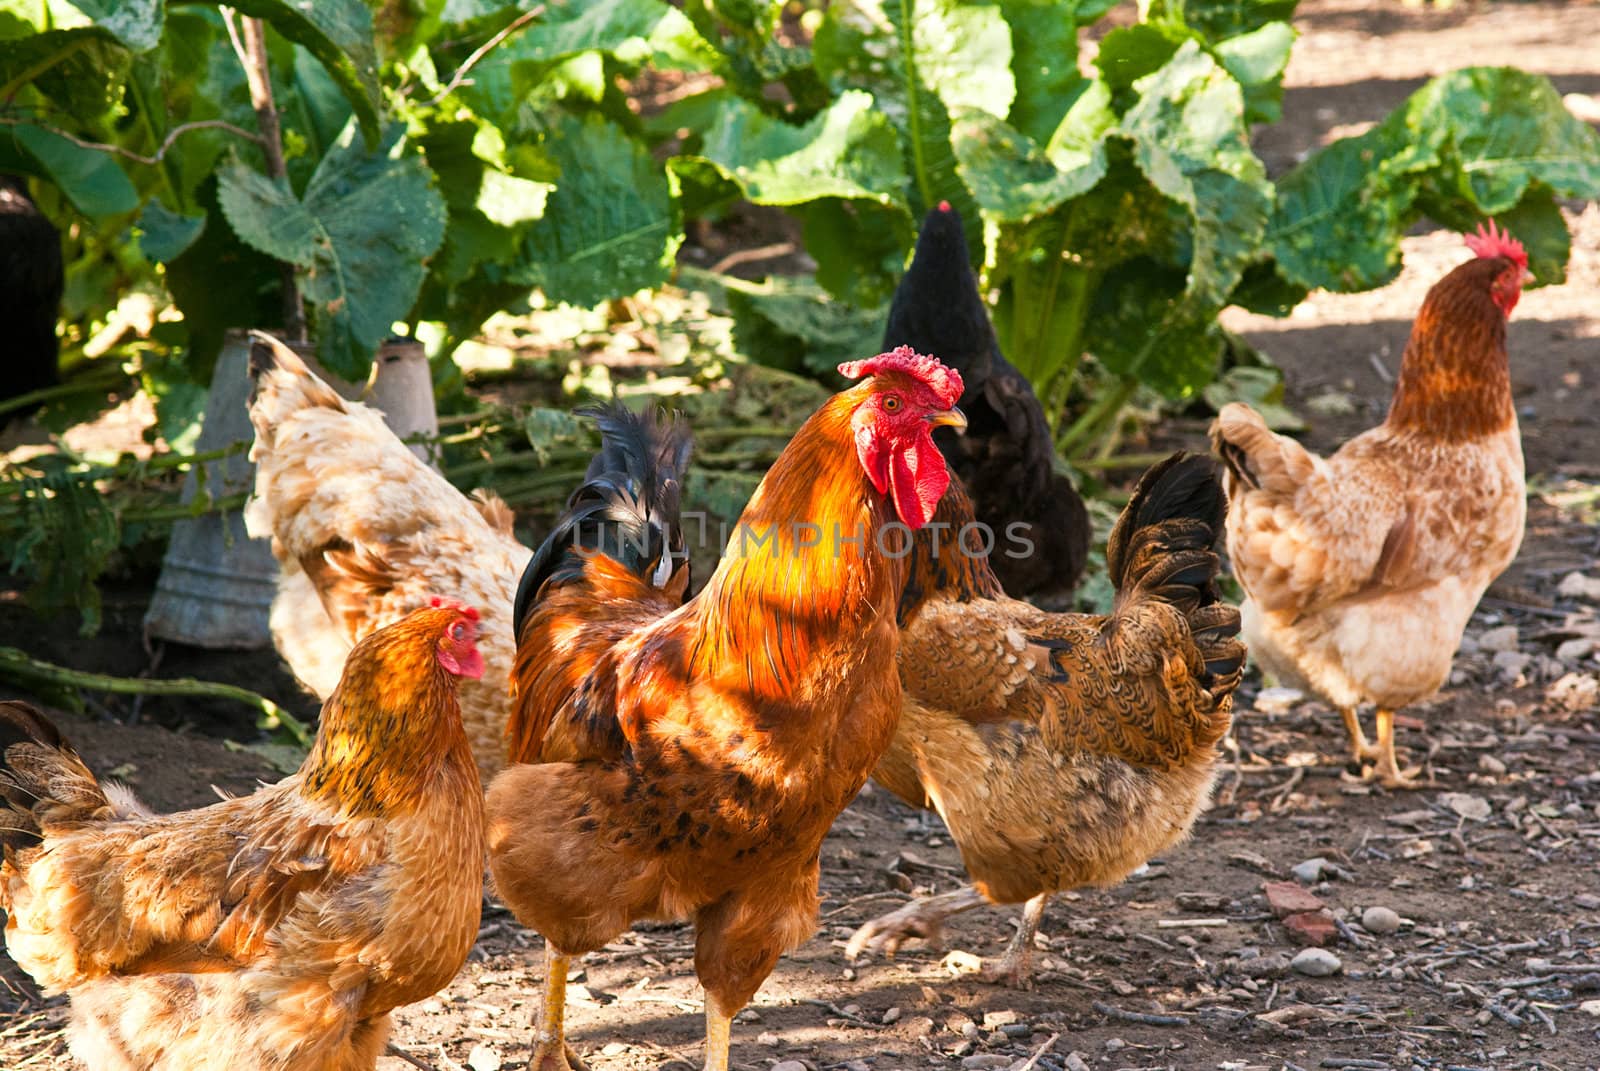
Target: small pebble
[[1380, 920], [790, 1065], [613, 1048], [1590, 1007], [1503, 638], [1587, 901], [891, 1017], [1076, 1062], [1491, 765], [1310, 872], [1316, 963], [483, 1058], [1017, 1030], [996, 1019], [769, 1039], [962, 1048], [1278, 700], [1115, 1044], [980, 1062]]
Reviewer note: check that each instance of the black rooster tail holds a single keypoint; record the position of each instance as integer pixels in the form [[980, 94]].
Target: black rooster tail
[[1161, 548], [41, 778], [937, 308], [627, 509]]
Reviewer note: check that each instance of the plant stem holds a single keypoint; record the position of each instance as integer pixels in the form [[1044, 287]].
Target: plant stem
[[1121, 461], [82, 385], [17, 664], [1087, 426], [258, 75]]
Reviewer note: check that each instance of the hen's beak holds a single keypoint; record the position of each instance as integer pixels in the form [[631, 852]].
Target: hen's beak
[[1527, 277], [951, 417]]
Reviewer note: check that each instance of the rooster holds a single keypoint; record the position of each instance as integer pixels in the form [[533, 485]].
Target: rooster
[[365, 533], [1007, 458], [1362, 569], [1062, 750], [686, 759], [272, 932]]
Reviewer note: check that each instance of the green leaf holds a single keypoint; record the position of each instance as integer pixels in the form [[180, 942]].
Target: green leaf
[[1130, 53], [610, 227], [1540, 227], [1013, 179], [920, 59], [80, 71], [859, 246], [136, 23], [632, 31], [164, 234], [849, 151], [1191, 142], [89, 178], [1257, 60], [358, 239], [791, 323], [1145, 328], [339, 34], [1471, 144], [1218, 20], [1044, 48], [1261, 389]]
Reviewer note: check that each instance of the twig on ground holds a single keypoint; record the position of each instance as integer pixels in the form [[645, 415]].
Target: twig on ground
[[1142, 1018], [1040, 1051], [401, 1054]]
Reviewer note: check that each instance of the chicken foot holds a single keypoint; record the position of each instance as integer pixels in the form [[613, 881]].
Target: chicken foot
[[1360, 749], [925, 919], [550, 1049], [1387, 772]]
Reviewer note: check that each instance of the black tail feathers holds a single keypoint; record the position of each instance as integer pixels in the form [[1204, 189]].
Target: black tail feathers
[[627, 508], [33, 757], [1161, 547]]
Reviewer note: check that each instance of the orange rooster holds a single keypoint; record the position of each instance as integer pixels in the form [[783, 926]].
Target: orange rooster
[[367, 533], [690, 758], [272, 932], [1062, 750], [1362, 569]]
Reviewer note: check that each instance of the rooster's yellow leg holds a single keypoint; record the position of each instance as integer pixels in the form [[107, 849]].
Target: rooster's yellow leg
[[719, 1024], [1388, 773], [550, 1049]]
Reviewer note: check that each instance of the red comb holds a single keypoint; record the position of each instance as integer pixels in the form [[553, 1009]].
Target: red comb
[[1490, 241], [468, 612], [941, 379], [944, 206]]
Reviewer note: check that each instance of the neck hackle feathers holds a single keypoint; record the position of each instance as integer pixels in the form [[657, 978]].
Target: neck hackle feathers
[[943, 380]]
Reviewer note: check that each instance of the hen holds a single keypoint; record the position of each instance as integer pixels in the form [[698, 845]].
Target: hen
[[366, 533], [272, 932], [1007, 457], [1062, 750], [31, 281], [1363, 568], [690, 758]]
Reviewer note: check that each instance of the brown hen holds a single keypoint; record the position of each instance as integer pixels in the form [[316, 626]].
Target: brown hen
[[272, 932], [1062, 750], [1363, 568]]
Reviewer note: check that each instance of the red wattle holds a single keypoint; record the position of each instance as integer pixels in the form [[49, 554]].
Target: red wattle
[[917, 480]]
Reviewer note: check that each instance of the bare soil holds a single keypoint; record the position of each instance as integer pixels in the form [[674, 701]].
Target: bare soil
[[1495, 873]]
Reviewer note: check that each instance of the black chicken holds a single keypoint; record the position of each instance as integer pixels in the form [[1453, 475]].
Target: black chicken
[[30, 293], [1006, 458]]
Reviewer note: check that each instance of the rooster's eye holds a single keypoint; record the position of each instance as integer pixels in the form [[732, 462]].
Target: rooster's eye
[[891, 404], [458, 632]]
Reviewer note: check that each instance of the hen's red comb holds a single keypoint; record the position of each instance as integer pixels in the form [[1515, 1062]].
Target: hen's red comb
[[468, 612], [1491, 241], [938, 377]]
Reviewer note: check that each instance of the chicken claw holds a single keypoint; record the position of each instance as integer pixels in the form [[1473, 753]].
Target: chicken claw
[[922, 919], [556, 1055]]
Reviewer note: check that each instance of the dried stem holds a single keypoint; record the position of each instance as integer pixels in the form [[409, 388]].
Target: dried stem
[[251, 43]]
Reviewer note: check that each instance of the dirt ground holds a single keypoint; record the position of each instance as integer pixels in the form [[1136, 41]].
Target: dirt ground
[[1494, 875]]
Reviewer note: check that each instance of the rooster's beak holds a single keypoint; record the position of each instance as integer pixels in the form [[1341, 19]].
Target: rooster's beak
[[951, 417], [1527, 276]]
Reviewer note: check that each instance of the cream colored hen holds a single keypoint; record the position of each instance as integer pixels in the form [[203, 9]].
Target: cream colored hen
[[366, 533]]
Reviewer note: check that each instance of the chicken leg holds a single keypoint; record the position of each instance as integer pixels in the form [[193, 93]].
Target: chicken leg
[[550, 1049], [1387, 772], [1360, 749], [719, 1028], [925, 919]]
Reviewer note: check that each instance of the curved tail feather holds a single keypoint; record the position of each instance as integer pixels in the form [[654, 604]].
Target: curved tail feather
[[627, 508]]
